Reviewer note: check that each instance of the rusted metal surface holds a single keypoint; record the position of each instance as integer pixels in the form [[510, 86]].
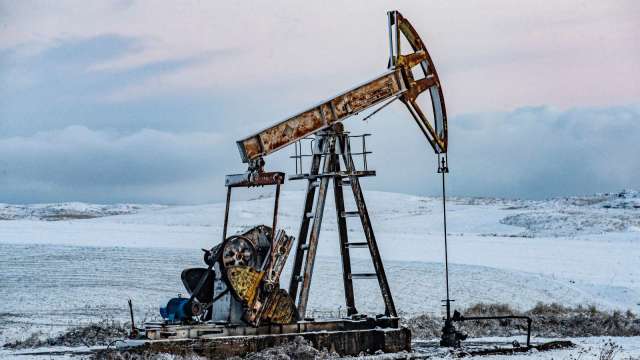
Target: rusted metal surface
[[276, 202], [336, 147], [244, 281], [279, 254], [273, 304], [226, 214], [399, 81], [239, 251], [431, 349], [345, 337], [345, 343], [278, 308], [306, 219], [163, 331], [252, 264], [390, 308], [358, 173], [250, 179], [324, 121], [459, 317], [312, 245], [436, 132], [343, 238], [496, 350], [321, 116]]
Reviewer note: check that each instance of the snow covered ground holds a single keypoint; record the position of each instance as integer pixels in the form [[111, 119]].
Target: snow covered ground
[[586, 349], [590, 348], [84, 265]]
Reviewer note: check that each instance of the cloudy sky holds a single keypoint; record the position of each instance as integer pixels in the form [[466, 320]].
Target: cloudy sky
[[134, 101]]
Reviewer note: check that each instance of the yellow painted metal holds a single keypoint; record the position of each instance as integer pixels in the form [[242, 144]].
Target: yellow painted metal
[[272, 307], [244, 281], [282, 309]]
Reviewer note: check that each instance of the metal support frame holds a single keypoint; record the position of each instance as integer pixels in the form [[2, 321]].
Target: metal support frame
[[331, 145], [460, 318], [344, 239], [248, 180]]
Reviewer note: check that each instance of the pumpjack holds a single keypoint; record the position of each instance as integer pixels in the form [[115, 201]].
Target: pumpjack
[[239, 291], [236, 304], [331, 161]]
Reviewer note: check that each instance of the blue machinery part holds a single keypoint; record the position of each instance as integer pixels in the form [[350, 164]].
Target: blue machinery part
[[180, 309]]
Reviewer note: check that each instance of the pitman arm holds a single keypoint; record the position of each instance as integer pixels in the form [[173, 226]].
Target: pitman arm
[[398, 82]]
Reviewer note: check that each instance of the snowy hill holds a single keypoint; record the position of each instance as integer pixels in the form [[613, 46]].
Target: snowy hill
[[68, 211], [569, 216], [601, 213], [576, 250]]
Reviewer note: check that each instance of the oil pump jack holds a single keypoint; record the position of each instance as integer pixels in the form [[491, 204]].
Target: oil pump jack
[[240, 288], [409, 75]]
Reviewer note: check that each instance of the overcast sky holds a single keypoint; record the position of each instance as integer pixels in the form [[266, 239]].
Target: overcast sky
[[134, 101]]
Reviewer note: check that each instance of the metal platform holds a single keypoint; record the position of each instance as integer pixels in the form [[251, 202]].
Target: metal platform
[[425, 349], [217, 341]]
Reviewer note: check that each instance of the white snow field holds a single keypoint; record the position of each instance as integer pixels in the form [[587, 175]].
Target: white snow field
[[587, 348], [63, 264]]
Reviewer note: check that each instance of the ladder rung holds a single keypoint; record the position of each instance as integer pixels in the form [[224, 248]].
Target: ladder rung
[[363, 276], [350, 213], [357, 245], [304, 247], [346, 182]]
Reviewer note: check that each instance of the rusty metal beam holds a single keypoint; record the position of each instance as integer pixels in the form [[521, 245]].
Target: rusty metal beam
[[251, 179], [398, 82], [319, 117], [435, 131]]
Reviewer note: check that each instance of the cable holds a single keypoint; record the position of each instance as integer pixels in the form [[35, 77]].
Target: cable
[[444, 169], [380, 108]]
